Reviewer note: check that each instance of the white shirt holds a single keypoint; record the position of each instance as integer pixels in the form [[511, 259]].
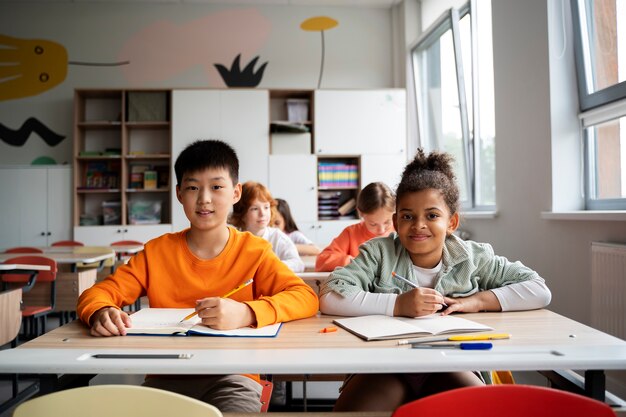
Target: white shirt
[[299, 238], [284, 248]]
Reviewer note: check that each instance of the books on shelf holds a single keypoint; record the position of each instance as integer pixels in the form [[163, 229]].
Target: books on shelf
[[337, 174], [379, 327], [166, 321]]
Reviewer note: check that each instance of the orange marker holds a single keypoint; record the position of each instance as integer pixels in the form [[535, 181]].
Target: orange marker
[[328, 330]]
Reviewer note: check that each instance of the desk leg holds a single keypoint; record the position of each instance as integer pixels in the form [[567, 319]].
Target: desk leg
[[51, 383], [595, 385]]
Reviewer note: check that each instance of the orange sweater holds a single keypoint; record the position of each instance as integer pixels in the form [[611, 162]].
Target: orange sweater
[[343, 248], [172, 277]]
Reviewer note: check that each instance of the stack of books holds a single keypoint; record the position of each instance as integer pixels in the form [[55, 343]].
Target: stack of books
[[328, 205]]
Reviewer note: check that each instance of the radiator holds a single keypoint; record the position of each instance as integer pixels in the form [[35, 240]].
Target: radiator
[[608, 288]]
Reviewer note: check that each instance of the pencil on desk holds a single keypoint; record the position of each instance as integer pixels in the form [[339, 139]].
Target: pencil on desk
[[401, 278], [228, 294]]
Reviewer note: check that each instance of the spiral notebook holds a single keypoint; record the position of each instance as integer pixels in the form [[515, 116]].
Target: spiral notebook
[[166, 321]]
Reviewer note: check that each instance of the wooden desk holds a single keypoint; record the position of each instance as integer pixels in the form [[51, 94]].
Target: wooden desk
[[314, 279], [22, 268], [66, 257], [540, 340]]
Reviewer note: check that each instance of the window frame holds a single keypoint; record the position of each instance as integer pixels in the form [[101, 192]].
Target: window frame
[[596, 108], [449, 20]]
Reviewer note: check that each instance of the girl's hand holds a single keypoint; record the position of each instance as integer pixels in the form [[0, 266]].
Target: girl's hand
[[109, 321], [481, 301], [418, 302], [224, 313]]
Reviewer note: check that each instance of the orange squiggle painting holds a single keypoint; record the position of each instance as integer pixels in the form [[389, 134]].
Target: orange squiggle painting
[[164, 49]]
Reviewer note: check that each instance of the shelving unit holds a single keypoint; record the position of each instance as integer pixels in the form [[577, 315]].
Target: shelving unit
[[118, 132]]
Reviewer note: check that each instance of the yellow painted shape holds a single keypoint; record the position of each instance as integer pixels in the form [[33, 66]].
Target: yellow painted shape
[[30, 66], [318, 24]]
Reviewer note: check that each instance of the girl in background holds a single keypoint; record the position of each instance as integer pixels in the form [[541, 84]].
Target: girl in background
[[253, 213], [465, 275], [376, 204], [284, 221]]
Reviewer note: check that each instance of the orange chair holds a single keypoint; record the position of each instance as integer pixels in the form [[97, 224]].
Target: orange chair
[[67, 243], [266, 394], [506, 400], [33, 315], [23, 249]]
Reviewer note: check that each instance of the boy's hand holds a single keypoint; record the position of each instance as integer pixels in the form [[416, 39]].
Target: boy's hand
[[418, 302], [224, 313], [109, 321]]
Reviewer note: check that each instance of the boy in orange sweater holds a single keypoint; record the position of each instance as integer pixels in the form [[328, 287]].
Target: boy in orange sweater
[[194, 267]]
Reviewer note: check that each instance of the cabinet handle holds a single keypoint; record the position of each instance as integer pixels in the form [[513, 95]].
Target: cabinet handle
[[43, 233], [125, 230], [312, 188], [319, 151], [49, 233], [119, 230]]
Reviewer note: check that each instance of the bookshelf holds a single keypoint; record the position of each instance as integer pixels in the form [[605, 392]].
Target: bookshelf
[[122, 154]]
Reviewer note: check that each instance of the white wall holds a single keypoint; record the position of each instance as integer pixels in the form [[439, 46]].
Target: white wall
[[358, 53]]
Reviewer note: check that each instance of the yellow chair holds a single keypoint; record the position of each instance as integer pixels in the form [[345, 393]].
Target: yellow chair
[[115, 400]]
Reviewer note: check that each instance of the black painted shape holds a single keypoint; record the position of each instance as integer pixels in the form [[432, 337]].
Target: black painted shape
[[19, 137], [234, 77]]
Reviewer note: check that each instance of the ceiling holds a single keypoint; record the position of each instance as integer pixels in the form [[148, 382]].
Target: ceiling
[[345, 3]]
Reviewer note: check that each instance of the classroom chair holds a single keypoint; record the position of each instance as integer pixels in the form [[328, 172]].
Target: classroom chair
[[23, 249], [33, 315], [10, 322], [505, 400], [115, 400], [67, 243]]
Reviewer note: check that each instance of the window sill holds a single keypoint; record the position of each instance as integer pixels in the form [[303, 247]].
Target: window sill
[[485, 214], [601, 215]]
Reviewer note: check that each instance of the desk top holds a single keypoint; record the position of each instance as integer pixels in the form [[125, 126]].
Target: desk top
[[23, 267], [67, 257], [540, 340], [129, 249]]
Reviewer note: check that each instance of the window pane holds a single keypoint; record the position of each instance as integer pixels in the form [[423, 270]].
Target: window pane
[[603, 24], [607, 154], [439, 102], [485, 163]]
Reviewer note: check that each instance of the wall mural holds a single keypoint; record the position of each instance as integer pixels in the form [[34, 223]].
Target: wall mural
[[319, 24], [234, 77]]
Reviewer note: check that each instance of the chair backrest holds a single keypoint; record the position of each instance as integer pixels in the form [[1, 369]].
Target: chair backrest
[[10, 315], [67, 243], [89, 249], [126, 243], [23, 249], [506, 400], [42, 276], [115, 400]]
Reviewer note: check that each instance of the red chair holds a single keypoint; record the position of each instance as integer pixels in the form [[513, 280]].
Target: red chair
[[33, 315], [505, 400], [23, 249], [126, 243], [67, 243]]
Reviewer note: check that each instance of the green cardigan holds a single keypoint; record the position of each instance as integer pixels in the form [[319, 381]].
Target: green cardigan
[[468, 267]]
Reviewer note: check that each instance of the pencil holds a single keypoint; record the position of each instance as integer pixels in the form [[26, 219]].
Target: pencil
[[401, 278], [228, 294]]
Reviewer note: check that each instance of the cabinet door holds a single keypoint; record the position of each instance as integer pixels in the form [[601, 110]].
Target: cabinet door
[[10, 220], [383, 168], [59, 204], [32, 201], [99, 235], [294, 179], [328, 230], [146, 232], [361, 122], [245, 120]]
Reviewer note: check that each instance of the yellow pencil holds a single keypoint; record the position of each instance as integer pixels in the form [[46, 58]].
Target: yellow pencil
[[228, 294]]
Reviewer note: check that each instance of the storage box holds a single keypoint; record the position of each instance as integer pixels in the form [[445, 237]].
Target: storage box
[[144, 212], [111, 212], [147, 106], [290, 143], [297, 109]]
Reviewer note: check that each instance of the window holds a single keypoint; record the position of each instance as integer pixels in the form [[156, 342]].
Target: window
[[600, 54], [453, 72]]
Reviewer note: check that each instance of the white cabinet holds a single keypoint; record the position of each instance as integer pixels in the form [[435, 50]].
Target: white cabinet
[[35, 205], [238, 117], [105, 235], [294, 179], [383, 168], [323, 232], [349, 122]]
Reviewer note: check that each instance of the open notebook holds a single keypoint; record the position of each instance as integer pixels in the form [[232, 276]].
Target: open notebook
[[378, 327], [166, 321]]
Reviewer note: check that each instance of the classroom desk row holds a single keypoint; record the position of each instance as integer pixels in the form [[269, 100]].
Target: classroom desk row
[[540, 340]]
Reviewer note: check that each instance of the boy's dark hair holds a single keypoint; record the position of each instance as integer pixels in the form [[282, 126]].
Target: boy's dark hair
[[205, 154], [285, 211], [376, 195], [431, 171]]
